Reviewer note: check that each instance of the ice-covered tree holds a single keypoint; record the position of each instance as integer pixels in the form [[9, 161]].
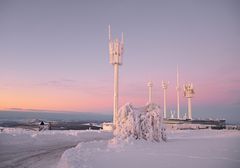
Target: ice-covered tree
[[140, 123]]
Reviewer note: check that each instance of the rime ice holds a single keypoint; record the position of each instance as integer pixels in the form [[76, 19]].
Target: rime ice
[[140, 123]]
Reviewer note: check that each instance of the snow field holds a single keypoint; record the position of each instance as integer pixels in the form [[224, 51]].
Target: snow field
[[195, 148], [14, 136], [32, 149], [98, 149]]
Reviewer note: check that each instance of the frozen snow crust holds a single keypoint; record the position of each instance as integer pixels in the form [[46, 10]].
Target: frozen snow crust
[[140, 123], [33, 149], [14, 136], [185, 148]]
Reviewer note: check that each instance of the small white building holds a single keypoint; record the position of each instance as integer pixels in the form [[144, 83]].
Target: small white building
[[108, 126]]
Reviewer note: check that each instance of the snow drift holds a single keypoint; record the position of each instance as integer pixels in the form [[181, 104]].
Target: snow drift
[[140, 123], [186, 148]]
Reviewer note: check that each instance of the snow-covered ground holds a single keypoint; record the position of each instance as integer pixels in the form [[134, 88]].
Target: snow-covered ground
[[24, 148], [187, 149], [97, 149]]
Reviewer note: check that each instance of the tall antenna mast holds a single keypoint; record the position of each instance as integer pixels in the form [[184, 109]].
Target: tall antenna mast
[[122, 41], [178, 95], [165, 86], [150, 85], [115, 54], [109, 32]]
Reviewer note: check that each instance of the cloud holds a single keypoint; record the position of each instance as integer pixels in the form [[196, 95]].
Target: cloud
[[62, 83], [26, 109]]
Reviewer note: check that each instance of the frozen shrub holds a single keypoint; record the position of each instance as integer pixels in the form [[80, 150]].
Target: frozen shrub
[[140, 123]]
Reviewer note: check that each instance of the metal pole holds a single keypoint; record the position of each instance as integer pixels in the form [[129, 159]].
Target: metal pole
[[189, 109], [115, 96], [164, 104], [150, 92], [178, 96]]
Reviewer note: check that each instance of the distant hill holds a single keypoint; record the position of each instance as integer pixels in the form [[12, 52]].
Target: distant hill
[[53, 116]]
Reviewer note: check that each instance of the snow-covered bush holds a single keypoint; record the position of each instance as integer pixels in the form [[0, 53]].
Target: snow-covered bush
[[140, 123]]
